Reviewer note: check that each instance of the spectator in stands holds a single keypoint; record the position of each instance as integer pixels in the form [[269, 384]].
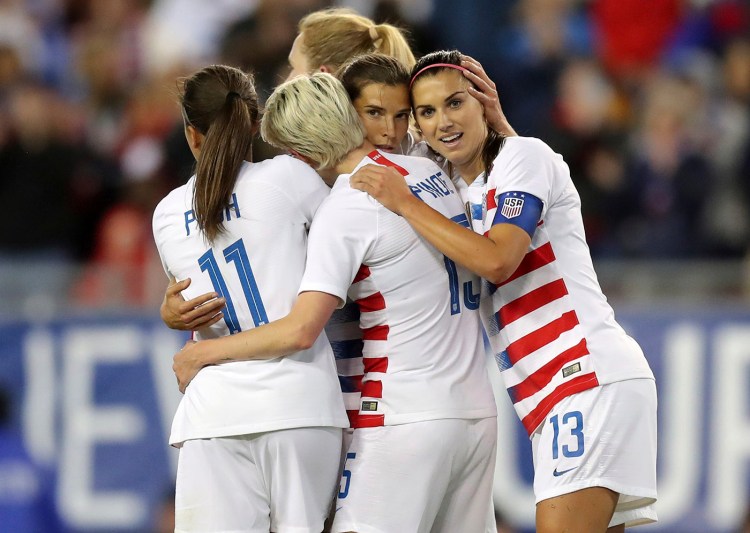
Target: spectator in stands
[[671, 176]]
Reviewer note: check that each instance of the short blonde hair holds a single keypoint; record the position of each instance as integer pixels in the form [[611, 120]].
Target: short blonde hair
[[313, 116], [331, 37]]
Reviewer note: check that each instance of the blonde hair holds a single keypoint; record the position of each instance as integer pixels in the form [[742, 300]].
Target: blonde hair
[[313, 116], [331, 37]]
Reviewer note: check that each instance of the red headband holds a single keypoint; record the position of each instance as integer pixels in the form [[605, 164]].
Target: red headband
[[435, 65]]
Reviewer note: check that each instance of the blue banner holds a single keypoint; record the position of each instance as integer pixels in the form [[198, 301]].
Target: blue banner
[[86, 448]]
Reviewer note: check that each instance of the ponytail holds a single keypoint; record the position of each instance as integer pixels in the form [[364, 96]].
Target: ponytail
[[221, 103], [390, 41], [333, 36]]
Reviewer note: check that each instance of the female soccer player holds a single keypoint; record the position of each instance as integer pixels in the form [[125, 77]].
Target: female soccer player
[[330, 38], [378, 85], [581, 387], [260, 440], [422, 455], [326, 40]]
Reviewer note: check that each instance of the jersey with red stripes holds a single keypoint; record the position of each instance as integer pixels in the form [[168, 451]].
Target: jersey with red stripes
[[550, 326], [423, 355]]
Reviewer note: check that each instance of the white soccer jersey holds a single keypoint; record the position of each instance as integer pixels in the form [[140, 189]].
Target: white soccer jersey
[[346, 341], [257, 265], [423, 353], [411, 146], [552, 331]]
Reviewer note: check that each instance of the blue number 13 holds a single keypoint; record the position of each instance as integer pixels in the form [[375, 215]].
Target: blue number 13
[[574, 421], [235, 253]]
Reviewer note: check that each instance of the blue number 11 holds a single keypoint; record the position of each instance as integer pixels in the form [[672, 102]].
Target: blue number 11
[[235, 253]]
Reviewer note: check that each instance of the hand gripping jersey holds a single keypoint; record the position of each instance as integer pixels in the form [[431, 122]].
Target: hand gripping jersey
[[423, 356], [551, 329], [257, 265]]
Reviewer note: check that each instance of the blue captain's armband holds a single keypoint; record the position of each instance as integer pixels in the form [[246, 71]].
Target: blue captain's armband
[[520, 209]]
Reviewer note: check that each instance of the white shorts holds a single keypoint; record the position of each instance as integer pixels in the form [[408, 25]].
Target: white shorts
[[282, 481], [602, 437], [433, 476]]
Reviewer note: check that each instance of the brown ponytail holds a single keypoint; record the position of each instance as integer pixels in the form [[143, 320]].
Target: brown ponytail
[[221, 103]]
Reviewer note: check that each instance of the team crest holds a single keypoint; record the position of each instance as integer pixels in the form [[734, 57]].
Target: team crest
[[512, 207]]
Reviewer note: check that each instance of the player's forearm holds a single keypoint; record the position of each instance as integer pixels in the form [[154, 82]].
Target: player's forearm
[[475, 252], [295, 332], [277, 339]]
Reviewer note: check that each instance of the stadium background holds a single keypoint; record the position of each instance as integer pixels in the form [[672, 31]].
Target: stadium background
[[648, 100]]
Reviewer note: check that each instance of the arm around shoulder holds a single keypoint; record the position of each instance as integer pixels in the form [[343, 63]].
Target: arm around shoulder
[[493, 257]]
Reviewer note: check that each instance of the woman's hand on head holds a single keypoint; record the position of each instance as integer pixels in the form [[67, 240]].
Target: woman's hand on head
[[191, 315], [485, 91], [384, 184]]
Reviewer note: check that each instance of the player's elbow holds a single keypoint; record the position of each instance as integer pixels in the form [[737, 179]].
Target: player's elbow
[[305, 342], [504, 260], [303, 337], [496, 278], [498, 271]]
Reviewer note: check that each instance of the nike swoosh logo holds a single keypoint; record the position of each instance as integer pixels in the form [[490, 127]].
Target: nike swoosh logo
[[558, 473]]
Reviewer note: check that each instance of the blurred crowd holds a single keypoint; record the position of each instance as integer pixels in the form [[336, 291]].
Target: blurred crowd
[[647, 100]]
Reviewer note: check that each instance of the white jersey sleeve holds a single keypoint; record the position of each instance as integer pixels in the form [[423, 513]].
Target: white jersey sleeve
[[528, 166], [340, 236]]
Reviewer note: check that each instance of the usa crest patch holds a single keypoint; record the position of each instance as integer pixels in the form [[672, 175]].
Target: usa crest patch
[[512, 207]]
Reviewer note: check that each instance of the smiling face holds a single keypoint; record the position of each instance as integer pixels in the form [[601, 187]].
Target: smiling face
[[384, 111], [452, 121]]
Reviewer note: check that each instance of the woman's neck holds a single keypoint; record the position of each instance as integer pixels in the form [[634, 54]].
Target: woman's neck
[[352, 159], [469, 172]]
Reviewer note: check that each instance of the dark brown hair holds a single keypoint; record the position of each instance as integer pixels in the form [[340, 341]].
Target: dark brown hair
[[495, 140], [365, 69], [221, 103]]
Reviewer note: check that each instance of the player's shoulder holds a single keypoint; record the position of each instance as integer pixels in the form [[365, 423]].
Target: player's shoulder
[[278, 168], [413, 165], [411, 160], [175, 200], [345, 201], [525, 148], [172, 205]]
